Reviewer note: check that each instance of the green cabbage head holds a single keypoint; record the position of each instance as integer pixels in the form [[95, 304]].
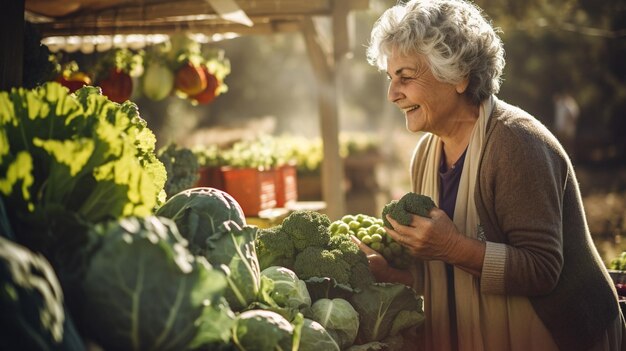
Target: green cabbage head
[[262, 330], [339, 318], [288, 290], [314, 337], [143, 290]]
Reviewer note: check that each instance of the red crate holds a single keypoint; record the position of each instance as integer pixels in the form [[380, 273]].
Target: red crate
[[254, 189], [210, 177], [286, 185]]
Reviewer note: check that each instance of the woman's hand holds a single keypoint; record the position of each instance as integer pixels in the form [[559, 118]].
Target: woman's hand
[[437, 238], [380, 268], [431, 238]]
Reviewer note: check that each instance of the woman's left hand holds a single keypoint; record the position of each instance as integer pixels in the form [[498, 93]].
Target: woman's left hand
[[434, 238]]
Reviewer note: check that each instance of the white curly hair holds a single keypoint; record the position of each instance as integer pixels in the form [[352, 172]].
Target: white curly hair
[[454, 36]]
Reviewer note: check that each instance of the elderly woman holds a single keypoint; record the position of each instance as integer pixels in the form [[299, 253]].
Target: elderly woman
[[506, 261]]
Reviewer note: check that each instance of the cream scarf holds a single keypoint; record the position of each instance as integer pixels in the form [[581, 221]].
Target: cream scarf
[[484, 322]]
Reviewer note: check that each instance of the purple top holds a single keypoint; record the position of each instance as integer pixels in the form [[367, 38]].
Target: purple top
[[449, 184], [448, 188]]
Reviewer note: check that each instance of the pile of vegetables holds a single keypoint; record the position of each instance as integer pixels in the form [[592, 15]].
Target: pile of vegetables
[[302, 242], [92, 253], [357, 312]]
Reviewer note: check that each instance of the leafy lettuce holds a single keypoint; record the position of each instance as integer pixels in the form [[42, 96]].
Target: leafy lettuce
[[79, 153]]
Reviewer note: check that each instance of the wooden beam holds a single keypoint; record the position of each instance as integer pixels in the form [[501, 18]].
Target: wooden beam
[[11, 43], [207, 27]]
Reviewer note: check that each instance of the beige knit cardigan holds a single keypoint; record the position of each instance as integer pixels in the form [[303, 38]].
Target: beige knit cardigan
[[538, 243]]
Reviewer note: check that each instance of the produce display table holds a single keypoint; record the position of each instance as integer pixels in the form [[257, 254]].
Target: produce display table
[[274, 216]]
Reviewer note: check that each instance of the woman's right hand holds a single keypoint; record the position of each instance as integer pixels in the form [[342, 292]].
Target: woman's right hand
[[380, 268]]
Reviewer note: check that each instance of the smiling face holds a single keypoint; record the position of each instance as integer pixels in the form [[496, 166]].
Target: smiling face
[[428, 104]]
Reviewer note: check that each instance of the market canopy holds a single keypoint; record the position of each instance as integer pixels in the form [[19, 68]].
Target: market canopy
[[66, 18], [80, 17]]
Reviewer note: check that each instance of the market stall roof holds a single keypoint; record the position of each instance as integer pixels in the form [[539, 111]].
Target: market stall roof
[[243, 17], [107, 17]]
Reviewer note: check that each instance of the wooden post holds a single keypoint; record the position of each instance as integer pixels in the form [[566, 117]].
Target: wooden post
[[11, 43], [332, 166]]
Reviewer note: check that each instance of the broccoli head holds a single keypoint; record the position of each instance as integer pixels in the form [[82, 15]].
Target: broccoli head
[[409, 204], [344, 248], [388, 210], [274, 248], [350, 252], [343, 261], [316, 261], [307, 228], [361, 276]]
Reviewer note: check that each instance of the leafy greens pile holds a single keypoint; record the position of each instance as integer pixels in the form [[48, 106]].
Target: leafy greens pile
[[87, 237]]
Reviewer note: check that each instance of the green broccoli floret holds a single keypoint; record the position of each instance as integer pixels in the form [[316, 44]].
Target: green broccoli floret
[[349, 250], [342, 261], [344, 248], [316, 261], [307, 228], [388, 209], [361, 276], [409, 204], [303, 243], [274, 248]]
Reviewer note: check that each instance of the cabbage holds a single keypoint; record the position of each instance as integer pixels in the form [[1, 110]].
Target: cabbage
[[314, 337], [386, 309], [234, 253], [143, 290], [288, 291], [201, 213], [263, 331], [339, 318], [214, 224]]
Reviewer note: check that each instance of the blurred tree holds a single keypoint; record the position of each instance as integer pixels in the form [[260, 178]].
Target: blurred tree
[[573, 45]]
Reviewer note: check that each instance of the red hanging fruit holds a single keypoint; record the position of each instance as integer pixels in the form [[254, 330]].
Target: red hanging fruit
[[74, 80], [208, 94], [117, 86], [190, 79]]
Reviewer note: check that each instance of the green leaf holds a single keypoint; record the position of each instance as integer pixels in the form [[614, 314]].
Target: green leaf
[[386, 309], [20, 170]]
